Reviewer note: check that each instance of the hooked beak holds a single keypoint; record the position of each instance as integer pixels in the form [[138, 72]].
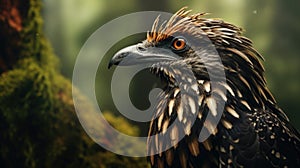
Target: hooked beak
[[139, 54]]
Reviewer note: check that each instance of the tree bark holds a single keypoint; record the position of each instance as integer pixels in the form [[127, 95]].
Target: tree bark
[[12, 14]]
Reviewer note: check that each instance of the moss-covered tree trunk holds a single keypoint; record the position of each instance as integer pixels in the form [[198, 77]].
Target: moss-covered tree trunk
[[38, 124]]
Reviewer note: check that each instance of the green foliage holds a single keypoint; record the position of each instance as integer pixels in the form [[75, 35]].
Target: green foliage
[[121, 124], [38, 123]]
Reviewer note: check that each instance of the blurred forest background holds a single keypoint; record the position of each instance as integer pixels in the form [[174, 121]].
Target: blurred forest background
[[38, 125]]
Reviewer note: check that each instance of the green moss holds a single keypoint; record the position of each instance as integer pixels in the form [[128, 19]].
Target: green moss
[[38, 123], [26, 98]]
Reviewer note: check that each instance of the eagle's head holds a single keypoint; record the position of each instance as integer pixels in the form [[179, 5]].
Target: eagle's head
[[177, 44], [199, 45]]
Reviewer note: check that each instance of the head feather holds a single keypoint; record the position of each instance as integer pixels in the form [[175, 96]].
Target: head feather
[[174, 24], [227, 39]]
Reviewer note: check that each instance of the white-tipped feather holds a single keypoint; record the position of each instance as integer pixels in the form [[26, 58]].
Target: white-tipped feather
[[212, 105], [171, 105], [232, 112]]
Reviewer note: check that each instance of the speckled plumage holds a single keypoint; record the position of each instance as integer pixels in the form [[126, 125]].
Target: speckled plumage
[[253, 130]]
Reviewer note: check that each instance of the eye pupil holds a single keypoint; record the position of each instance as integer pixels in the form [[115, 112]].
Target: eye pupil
[[178, 43]]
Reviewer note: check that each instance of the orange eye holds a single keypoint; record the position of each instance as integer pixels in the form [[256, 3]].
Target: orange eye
[[179, 44]]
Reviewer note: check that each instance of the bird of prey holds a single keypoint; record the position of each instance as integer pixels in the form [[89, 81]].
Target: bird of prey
[[186, 52]]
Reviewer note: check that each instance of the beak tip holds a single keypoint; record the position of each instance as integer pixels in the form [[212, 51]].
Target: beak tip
[[110, 64]]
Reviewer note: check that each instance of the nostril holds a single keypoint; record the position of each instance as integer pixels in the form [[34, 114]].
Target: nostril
[[124, 54], [141, 48]]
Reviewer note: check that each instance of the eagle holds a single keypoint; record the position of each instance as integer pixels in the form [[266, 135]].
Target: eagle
[[215, 109]]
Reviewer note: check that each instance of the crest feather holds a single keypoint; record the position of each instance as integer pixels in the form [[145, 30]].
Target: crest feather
[[174, 24]]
